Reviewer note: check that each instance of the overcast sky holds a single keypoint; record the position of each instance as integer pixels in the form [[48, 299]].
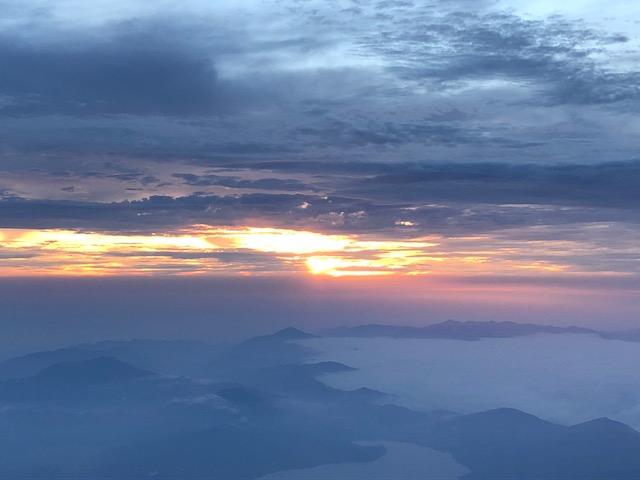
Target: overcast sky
[[477, 141]]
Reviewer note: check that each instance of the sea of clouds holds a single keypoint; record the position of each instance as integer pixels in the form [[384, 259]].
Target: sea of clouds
[[564, 378]]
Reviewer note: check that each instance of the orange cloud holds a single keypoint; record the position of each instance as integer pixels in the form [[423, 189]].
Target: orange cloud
[[209, 250]]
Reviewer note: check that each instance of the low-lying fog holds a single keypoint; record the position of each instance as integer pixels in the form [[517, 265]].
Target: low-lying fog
[[567, 378]]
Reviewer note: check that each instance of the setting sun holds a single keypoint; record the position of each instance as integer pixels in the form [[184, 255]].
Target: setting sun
[[202, 249]]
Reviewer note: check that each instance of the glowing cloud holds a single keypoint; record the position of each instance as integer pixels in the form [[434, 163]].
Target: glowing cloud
[[203, 249], [285, 241]]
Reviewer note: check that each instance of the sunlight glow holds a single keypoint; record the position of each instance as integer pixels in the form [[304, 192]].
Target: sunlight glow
[[203, 249], [339, 267], [69, 240], [287, 241]]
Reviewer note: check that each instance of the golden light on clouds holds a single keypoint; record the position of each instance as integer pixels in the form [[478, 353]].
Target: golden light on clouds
[[247, 250], [69, 241], [341, 267], [273, 240]]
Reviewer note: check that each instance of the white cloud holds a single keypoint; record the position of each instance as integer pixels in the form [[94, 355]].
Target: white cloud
[[562, 378]]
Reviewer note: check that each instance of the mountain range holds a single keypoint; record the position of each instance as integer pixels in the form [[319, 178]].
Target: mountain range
[[260, 407], [455, 330]]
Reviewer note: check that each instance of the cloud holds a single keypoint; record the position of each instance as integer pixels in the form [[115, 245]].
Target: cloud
[[210, 180], [556, 377], [406, 199], [611, 185], [394, 119], [387, 81], [122, 76], [555, 59]]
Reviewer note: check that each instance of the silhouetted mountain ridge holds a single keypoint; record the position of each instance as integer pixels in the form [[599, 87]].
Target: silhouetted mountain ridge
[[452, 329], [104, 417], [279, 348], [176, 357], [66, 378], [624, 335], [509, 444], [292, 333], [102, 369]]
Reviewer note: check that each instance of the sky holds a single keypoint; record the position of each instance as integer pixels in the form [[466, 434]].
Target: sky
[[483, 152]]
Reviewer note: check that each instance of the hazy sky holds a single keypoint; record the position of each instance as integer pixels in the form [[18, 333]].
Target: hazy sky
[[459, 146]]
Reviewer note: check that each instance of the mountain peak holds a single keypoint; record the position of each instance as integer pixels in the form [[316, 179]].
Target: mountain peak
[[605, 423], [292, 333], [95, 370]]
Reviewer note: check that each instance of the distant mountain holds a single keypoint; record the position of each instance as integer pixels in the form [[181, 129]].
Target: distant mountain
[[509, 444], [176, 357], [104, 417], [624, 335], [452, 329], [286, 335], [292, 333], [58, 420], [299, 380], [258, 352], [64, 379], [31, 364], [103, 369]]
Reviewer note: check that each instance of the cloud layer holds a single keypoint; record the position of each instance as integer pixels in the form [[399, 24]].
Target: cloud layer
[[392, 119], [560, 378]]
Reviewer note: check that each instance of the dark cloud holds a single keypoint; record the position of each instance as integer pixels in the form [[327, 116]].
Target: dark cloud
[[148, 214], [406, 199], [397, 81], [346, 134], [128, 177], [211, 180], [108, 79], [613, 185], [141, 66], [554, 59], [608, 184]]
